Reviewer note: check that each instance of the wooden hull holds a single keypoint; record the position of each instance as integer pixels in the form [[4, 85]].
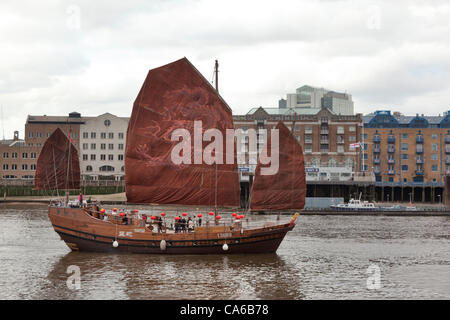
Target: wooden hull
[[83, 232]]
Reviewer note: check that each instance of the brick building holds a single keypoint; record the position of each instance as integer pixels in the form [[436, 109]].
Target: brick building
[[409, 155]]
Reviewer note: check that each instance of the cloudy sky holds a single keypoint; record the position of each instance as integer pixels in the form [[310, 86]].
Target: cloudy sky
[[92, 56]]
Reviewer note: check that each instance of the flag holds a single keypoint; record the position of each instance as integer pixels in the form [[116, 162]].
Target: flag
[[355, 145], [68, 135], [361, 124]]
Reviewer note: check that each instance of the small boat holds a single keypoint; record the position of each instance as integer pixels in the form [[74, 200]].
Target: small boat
[[355, 205], [172, 96]]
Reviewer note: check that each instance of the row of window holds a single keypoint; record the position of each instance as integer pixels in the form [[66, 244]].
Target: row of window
[[25, 177], [37, 134], [14, 166], [93, 157], [105, 168], [93, 146], [15, 155], [103, 135], [377, 170]]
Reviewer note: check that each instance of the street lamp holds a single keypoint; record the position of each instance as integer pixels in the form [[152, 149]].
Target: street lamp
[[439, 199], [410, 199]]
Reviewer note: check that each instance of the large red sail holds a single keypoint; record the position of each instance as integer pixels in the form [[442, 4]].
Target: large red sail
[[285, 190], [58, 166], [173, 97]]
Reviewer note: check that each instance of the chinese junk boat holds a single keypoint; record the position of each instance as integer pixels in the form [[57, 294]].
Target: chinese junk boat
[[172, 97]]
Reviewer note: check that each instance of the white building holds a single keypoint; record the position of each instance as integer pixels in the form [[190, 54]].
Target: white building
[[309, 97], [102, 147]]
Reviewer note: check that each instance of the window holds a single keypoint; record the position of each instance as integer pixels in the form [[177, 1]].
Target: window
[[5, 166], [103, 146], [111, 135], [5, 155], [85, 135], [24, 167], [110, 157], [352, 129], [364, 136], [92, 146], [33, 155], [340, 148], [30, 134], [404, 136], [107, 123], [404, 156], [404, 146], [88, 168], [24, 155], [365, 146], [121, 144], [85, 157], [38, 135], [340, 130], [33, 167], [48, 134], [106, 168], [103, 135], [93, 135], [434, 156], [110, 146], [434, 136], [85, 146], [14, 155], [121, 133], [434, 146], [14, 167], [434, 168], [365, 156], [103, 157], [404, 167], [93, 157], [352, 138], [120, 157]]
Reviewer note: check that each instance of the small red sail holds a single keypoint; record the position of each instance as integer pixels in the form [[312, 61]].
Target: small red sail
[[285, 190], [58, 166], [173, 97]]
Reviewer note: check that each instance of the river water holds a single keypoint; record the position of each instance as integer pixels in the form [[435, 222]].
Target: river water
[[324, 257]]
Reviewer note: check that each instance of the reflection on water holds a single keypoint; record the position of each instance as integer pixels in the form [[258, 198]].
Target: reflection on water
[[324, 257]]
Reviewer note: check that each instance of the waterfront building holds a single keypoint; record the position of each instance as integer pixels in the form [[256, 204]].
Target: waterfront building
[[102, 144], [17, 160], [331, 163], [409, 155], [308, 97]]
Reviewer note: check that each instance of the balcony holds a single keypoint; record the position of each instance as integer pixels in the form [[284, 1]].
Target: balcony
[[447, 138], [377, 138], [376, 161], [419, 149], [391, 161], [447, 149], [390, 149], [376, 149], [420, 160], [376, 171], [391, 139], [419, 138], [420, 172], [391, 172]]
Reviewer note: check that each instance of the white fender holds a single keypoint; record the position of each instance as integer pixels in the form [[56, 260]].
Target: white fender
[[163, 245], [225, 247], [115, 244]]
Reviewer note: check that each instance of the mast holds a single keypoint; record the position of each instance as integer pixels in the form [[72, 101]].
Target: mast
[[216, 73]]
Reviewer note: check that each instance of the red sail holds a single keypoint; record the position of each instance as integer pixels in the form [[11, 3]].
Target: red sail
[[173, 97], [285, 190], [58, 166]]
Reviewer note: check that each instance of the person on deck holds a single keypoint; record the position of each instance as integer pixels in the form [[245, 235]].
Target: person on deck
[[80, 199]]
